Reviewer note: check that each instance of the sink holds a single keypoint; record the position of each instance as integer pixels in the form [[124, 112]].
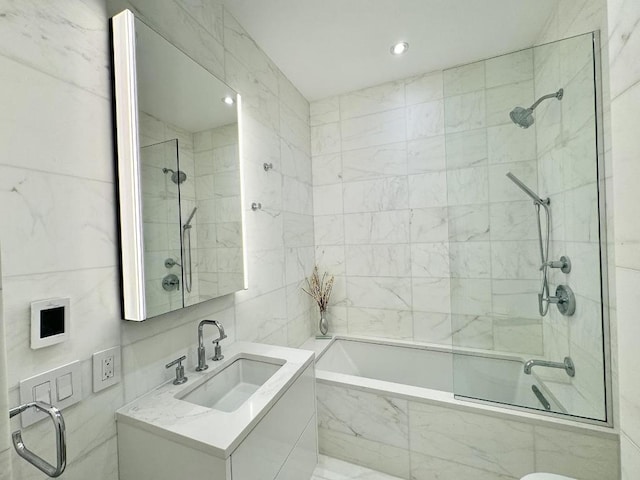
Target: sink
[[229, 388]]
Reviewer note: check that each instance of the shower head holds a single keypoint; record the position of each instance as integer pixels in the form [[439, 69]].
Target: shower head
[[523, 117], [177, 177]]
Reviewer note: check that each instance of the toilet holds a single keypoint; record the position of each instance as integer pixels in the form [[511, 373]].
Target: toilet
[[545, 476]]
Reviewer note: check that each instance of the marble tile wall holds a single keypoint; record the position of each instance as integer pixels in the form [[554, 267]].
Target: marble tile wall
[[624, 46], [380, 203], [420, 441], [59, 207], [5, 442]]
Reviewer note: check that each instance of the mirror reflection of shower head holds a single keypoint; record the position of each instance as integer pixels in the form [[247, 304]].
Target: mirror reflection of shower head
[[177, 177], [523, 117], [187, 224], [534, 196]]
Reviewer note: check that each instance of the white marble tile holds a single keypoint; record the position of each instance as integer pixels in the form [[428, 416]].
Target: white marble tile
[[297, 230], [80, 135], [361, 414], [375, 162], [629, 458], [576, 455], [299, 261], [424, 467], [623, 45], [6, 471], [487, 443], [297, 196], [293, 129], [330, 468], [517, 298], [430, 260], [432, 327], [502, 189], [380, 98], [325, 111], [514, 221], [327, 169], [464, 79], [327, 199], [293, 99], [431, 294], [428, 190], [468, 223], [378, 322], [429, 225], [209, 14], [509, 144], [465, 112], [426, 155], [515, 259], [468, 186], [376, 129], [425, 120], [379, 456], [376, 228], [262, 316], [379, 292], [331, 259], [325, 139], [390, 193], [471, 296], [328, 229], [378, 260], [470, 259], [518, 335], [424, 88], [511, 68], [466, 149], [240, 45]]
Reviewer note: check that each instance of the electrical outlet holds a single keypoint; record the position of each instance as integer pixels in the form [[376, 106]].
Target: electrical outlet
[[106, 368]]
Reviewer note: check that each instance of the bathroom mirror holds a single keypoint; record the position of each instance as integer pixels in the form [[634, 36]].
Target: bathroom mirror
[[177, 137]]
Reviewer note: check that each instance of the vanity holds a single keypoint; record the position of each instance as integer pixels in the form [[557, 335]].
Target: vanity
[[250, 416]]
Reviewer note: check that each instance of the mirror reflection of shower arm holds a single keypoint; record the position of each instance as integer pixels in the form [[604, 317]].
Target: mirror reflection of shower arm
[[559, 94], [187, 224], [527, 190]]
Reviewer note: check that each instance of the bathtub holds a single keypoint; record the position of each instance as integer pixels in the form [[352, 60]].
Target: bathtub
[[389, 405]]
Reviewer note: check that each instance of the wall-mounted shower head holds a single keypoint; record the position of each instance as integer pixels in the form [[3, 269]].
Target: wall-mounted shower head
[[523, 117], [177, 177]]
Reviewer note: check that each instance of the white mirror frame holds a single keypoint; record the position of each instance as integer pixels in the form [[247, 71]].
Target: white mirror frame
[[128, 148]]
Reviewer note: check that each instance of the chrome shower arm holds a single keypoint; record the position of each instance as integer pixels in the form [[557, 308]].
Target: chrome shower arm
[[559, 94]]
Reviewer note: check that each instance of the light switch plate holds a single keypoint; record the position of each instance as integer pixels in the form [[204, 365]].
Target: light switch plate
[[36, 385], [106, 368]]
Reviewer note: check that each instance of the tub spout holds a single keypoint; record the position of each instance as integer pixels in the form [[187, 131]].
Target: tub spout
[[567, 365]]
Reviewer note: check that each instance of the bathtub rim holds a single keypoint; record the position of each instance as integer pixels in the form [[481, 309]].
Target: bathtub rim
[[439, 398]]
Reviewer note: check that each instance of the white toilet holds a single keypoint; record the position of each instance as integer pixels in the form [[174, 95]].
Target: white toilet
[[545, 476]]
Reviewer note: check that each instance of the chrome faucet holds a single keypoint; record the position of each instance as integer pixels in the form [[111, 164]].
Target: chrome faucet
[[202, 363], [567, 365]]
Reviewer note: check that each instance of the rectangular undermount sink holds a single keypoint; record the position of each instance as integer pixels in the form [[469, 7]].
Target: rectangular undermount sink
[[233, 385]]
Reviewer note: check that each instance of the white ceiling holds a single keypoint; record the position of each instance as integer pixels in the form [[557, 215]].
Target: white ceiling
[[326, 47]]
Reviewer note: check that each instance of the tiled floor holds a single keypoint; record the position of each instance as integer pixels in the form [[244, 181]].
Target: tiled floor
[[332, 469]]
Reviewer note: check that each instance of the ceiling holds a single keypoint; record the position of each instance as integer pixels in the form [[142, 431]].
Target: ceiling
[[327, 47]]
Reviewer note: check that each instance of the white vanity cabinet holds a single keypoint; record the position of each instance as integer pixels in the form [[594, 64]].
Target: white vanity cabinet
[[161, 438]]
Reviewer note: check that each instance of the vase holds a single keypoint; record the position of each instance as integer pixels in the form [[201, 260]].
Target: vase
[[323, 325]]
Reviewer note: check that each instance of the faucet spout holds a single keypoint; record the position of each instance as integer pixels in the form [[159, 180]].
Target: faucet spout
[[202, 361], [567, 365]]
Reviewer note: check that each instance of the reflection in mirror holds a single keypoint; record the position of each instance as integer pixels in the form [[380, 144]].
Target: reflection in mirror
[[179, 175]]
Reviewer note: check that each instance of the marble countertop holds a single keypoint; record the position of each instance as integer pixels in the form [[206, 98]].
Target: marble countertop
[[212, 431]]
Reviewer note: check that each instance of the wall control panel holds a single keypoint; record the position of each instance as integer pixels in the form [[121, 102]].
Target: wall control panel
[[49, 322], [60, 387]]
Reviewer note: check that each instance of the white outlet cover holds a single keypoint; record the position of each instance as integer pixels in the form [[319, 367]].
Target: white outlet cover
[[98, 361]]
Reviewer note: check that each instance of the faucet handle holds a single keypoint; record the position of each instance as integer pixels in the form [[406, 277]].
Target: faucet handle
[[180, 378]]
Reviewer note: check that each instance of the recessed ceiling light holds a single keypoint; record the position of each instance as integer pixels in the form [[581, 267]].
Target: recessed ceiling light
[[228, 100], [399, 48]]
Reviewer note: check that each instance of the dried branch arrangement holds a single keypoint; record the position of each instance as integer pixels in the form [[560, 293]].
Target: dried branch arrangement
[[319, 288]]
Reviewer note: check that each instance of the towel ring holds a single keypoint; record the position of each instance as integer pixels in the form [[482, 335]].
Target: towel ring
[[61, 443]]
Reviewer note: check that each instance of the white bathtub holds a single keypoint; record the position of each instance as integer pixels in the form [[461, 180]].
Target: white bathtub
[[389, 405], [498, 379]]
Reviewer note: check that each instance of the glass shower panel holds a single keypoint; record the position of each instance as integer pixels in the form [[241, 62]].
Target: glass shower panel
[[525, 229], [160, 179]]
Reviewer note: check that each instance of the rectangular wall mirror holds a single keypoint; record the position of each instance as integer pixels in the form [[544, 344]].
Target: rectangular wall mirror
[[180, 195]]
